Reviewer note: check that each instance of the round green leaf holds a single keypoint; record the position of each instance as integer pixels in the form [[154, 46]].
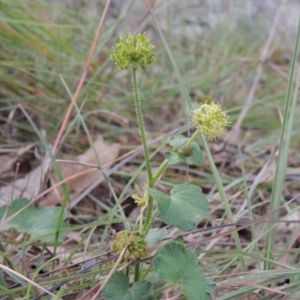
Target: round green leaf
[[155, 236], [184, 208], [178, 265], [174, 158], [177, 142], [196, 157], [33, 220], [118, 288]]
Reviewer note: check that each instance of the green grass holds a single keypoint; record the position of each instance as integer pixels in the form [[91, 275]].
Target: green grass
[[44, 49]]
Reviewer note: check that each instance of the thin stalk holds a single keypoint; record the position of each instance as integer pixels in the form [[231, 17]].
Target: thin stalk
[[285, 139], [164, 165], [136, 272], [192, 138], [141, 125], [225, 201], [139, 114], [160, 170], [148, 219]]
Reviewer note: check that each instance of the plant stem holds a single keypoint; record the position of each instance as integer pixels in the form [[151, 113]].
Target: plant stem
[[148, 219], [160, 170], [194, 135], [141, 124], [139, 114], [136, 272], [224, 199], [164, 165]]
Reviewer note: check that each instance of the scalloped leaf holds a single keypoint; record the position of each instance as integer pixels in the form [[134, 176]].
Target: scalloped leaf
[[177, 141], [174, 157], [178, 265], [155, 236], [33, 220], [184, 208], [196, 157], [118, 288]]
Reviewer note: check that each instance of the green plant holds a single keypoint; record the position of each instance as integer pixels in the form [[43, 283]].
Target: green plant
[[184, 207], [39, 223], [45, 49]]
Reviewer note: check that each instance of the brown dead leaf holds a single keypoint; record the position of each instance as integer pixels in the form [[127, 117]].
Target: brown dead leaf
[[107, 154], [8, 160], [33, 183], [27, 187]]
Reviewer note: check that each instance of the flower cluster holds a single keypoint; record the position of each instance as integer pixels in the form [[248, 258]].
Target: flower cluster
[[210, 119], [128, 51], [135, 242], [139, 199], [186, 151]]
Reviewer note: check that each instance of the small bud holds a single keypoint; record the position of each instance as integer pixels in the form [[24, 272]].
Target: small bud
[[211, 120], [135, 52], [186, 151], [138, 199], [136, 247]]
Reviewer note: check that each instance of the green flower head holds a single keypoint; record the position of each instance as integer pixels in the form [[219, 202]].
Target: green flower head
[[186, 151], [136, 245], [210, 119], [133, 51]]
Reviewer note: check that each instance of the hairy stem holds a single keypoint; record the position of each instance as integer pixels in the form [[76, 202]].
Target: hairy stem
[[139, 114], [192, 138], [136, 272], [160, 170]]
